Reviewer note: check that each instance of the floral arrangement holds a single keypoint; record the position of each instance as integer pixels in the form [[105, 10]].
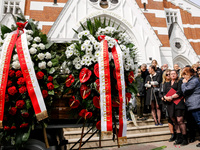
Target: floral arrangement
[[19, 116], [81, 67]]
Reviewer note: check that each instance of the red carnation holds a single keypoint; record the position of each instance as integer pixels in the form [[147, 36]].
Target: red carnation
[[128, 97], [40, 75], [85, 114], [50, 86], [22, 90], [18, 73], [12, 111], [131, 77], [24, 125], [69, 80], [73, 103], [98, 125], [6, 128], [13, 128], [25, 114], [50, 78], [9, 83], [85, 75], [20, 104], [85, 91], [97, 84], [44, 93], [21, 81], [11, 73], [96, 101], [12, 90], [96, 70], [6, 98]]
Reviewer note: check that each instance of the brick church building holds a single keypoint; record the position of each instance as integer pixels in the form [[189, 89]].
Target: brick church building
[[165, 30]]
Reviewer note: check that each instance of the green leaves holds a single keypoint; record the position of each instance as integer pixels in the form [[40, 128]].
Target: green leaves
[[51, 92], [4, 30]]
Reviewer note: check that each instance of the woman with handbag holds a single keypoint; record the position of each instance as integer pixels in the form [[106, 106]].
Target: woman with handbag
[[176, 107], [152, 94]]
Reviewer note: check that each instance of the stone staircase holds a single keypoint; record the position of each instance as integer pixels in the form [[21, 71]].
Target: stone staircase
[[145, 132]]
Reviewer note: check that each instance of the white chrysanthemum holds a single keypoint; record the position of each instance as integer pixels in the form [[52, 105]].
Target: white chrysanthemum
[[37, 39], [126, 54], [69, 53], [94, 42], [72, 47], [123, 47], [47, 55], [96, 46], [49, 64], [86, 32], [110, 44], [15, 57], [88, 52], [83, 47], [91, 38], [42, 65], [87, 57], [34, 45], [88, 62], [76, 52], [52, 70], [80, 35], [127, 67], [89, 47], [76, 60], [83, 62], [84, 57], [33, 50], [29, 38], [87, 42], [78, 66], [97, 54], [95, 59], [16, 65], [42, 46], [41, 56]]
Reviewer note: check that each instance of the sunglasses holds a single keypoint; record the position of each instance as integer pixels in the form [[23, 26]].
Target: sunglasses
[[167, 74]]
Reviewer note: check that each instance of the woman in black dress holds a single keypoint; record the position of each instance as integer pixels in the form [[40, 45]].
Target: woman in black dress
[[152, 94], [176, 111]]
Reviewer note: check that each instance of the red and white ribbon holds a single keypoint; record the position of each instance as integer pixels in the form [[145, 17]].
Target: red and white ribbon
[[5, 58], [105, 89], [28, 71], [118, 60]]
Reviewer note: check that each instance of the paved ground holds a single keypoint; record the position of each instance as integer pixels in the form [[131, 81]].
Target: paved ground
[[157, 146]]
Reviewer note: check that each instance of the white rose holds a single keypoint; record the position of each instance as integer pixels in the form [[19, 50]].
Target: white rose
[[42, 65], [29, 32], [15, 57], [34, 45], [49, 64], [41, 56], [37, 39], [28, 43], [48, 55], [16, 65], [42, 46], [33, 50], [29, 37]]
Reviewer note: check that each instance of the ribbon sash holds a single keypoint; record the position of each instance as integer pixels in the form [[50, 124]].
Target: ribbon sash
[[105, 89], [30, 77], [117, 56], [4, 69]]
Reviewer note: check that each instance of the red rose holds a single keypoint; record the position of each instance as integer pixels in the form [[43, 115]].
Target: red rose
[[22, 90], [50, 78], [13, 128], [25, 114], [85, 75], [96, 70], [11, 73], [9, 83], [18, 73], [131, 77], [40, 75], [73, 103], [6, 128], [6, 98], [50, 86], [128, 97], [12, 111], [20, 104], [69, 80], [85, 91], [21, 81], [12, 90], [96, 101], [97, 84], [24, 125], [85, 114], [44, 93], [98, 125]]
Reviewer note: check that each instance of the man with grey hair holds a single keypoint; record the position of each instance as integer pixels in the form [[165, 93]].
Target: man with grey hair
[[164, 67]]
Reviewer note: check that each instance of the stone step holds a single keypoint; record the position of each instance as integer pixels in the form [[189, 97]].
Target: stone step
[[131, 139], [130, 130]]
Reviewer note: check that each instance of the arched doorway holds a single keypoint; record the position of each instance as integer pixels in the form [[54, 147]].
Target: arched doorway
[[181, 61]]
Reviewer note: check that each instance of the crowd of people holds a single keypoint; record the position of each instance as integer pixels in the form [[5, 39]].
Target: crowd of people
[[173, 94]]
